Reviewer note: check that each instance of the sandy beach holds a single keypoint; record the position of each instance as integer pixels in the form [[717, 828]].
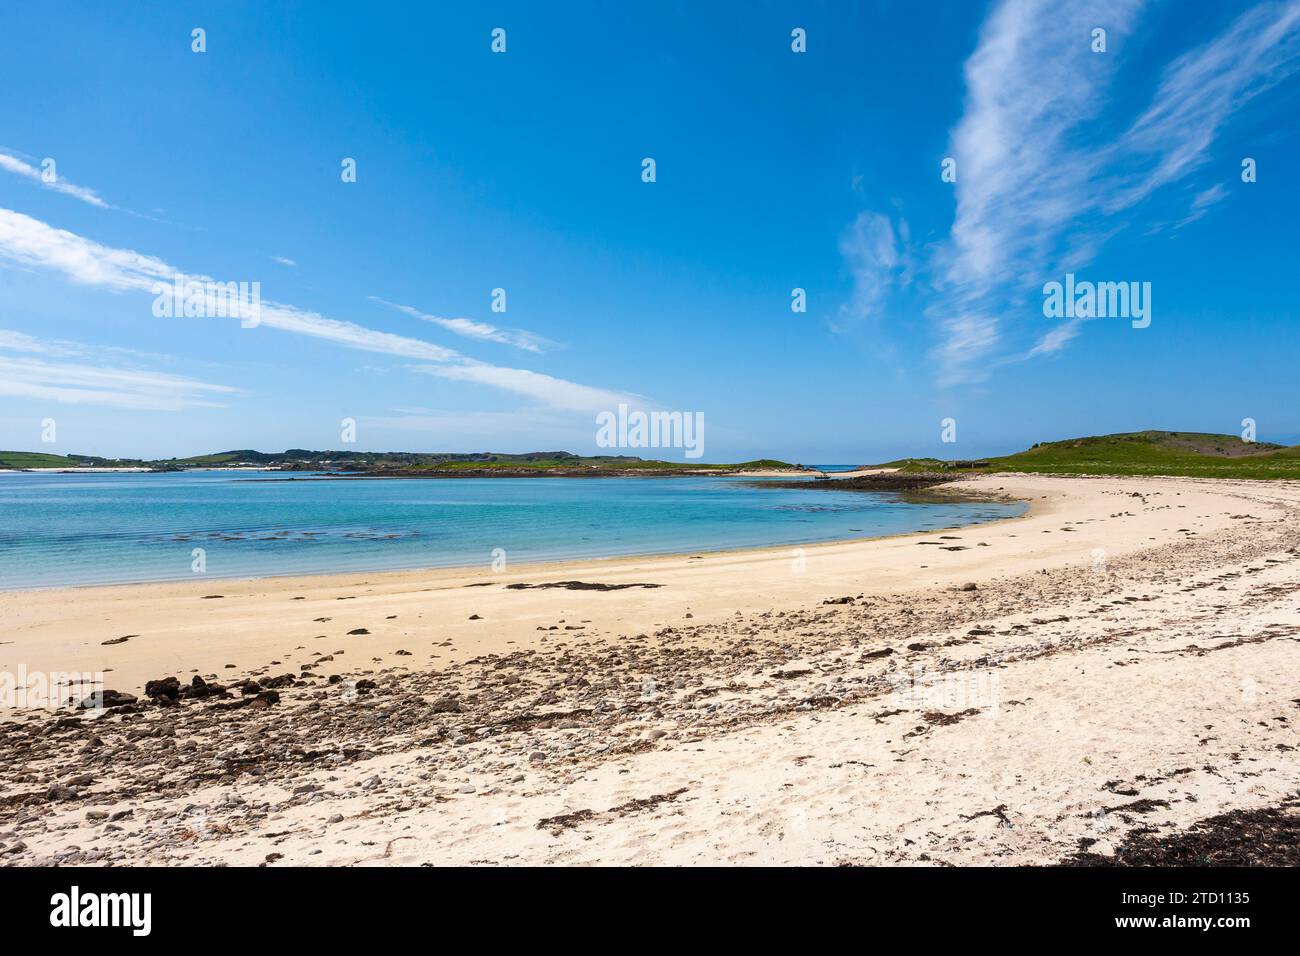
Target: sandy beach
[[1120, 659]]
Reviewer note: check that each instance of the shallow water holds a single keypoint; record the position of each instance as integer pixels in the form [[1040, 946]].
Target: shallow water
[[60, 530]]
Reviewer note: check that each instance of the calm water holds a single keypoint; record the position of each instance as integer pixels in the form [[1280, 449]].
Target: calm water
[[98, 529]]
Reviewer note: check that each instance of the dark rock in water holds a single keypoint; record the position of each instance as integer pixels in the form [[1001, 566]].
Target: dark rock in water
[[884, 481], [165, 688]]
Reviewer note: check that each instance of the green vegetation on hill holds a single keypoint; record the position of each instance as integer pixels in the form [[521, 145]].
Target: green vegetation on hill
[[393, 462], [37, 459], [1188, 454]]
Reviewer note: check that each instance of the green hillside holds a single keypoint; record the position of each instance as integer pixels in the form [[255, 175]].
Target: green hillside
[[393, 462], [1189, 454], [37, 459]]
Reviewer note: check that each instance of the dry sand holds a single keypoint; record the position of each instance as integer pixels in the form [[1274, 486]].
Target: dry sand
[[1125, 659]]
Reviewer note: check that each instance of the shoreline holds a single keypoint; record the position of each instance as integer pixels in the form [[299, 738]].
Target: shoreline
[[503, 472], [556, 564], [734, 708], [205, 626]]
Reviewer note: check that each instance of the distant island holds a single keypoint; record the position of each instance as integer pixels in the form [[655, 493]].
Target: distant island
[[400, 464], [1146, 453]]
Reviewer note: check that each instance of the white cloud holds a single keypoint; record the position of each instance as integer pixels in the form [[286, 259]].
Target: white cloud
[[554, 392], [1031, 83], [28, 242], [1038, 186], [870, 251], [471, 329], [21, 342], [1056, 339], [82, 384], [17, 166], [1202, 88], [284, 261]]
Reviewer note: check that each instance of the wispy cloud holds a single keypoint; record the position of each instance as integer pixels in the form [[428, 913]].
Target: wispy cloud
[[871, 253], [1041, 188], [84, 384], [1022, 184], [22, 342], [284, 261], [21, 168], [554, 392], [1199, 92], [28, 242], [471, 329]]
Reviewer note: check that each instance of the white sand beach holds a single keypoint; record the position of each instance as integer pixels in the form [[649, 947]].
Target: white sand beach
[[1122, 656]]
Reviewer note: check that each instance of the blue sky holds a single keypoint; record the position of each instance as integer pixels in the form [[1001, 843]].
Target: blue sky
[[522, 171]]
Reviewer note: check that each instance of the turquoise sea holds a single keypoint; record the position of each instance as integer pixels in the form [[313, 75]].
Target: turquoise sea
[[66, 529]]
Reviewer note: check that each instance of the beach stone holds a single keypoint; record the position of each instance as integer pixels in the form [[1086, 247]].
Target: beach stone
[[109, 698], [165, 688]]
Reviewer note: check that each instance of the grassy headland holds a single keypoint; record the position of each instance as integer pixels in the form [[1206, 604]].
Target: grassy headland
[[1183, 454]]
